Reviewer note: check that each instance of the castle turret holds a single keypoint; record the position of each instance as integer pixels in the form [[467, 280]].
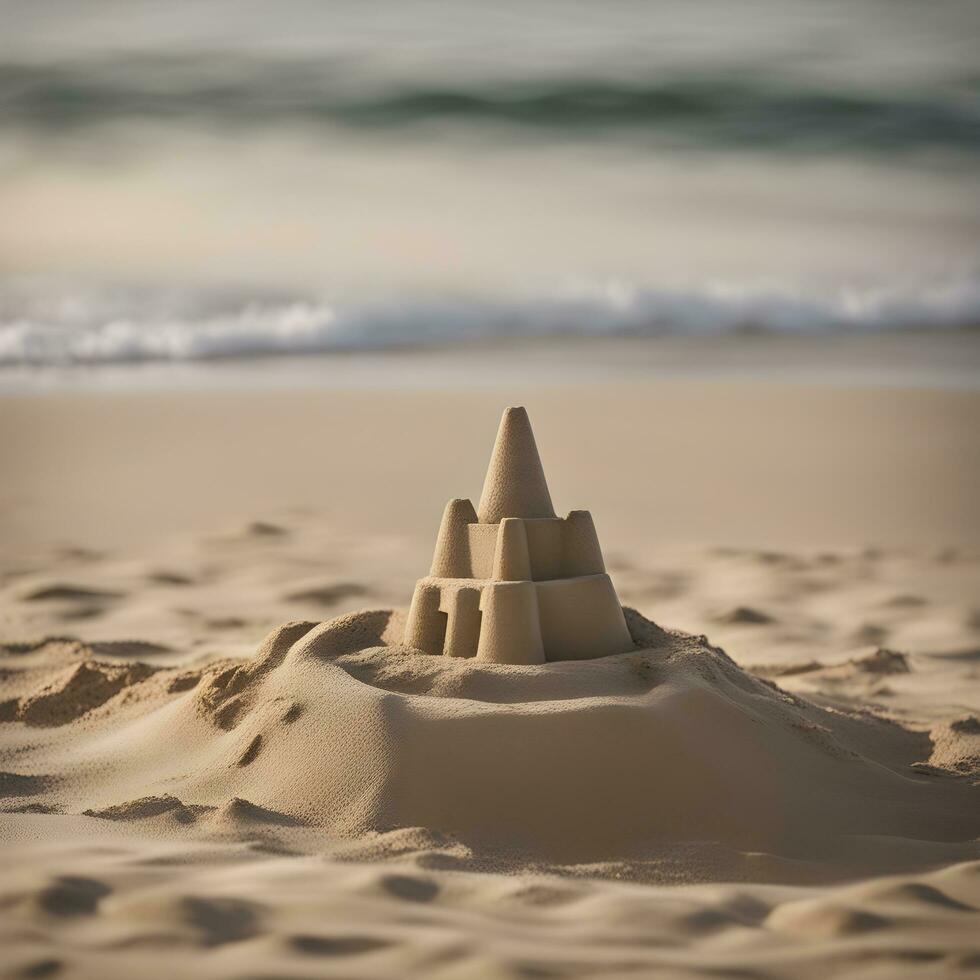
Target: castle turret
[[462, 622], [511, 629], [511, 559], [452, 555], [515, 485], [513, 583], [581, 554], [424, 629]]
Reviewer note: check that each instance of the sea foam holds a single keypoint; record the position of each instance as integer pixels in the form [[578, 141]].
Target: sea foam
[[107, 327]]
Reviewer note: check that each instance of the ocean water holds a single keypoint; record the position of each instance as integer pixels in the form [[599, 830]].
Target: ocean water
[[212, 180]]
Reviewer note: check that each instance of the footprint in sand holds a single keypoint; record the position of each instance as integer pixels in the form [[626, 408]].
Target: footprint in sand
[[163, 577], [870, 634], [221, 920], [251, 751], [409, 888], [917, 893], [15, 784], [336, 945], [327, 595], [71, 895], [71, 593], [744, 616]]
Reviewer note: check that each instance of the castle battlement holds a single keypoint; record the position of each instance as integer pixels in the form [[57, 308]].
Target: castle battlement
[[512, 582], [517, 548]]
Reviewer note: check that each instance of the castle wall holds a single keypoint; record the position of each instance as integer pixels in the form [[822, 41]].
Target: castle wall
[[507, 622], [581, 553], [544, 539], [426, 626], [511, 630], [581, 618], [463, 621], [511, 559], [481, 546], [557, 548]]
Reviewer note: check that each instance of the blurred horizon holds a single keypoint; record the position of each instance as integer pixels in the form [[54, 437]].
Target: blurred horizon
[[226, 179]]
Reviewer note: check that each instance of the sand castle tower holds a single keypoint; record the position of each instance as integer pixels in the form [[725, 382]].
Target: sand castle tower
[[513, 583]]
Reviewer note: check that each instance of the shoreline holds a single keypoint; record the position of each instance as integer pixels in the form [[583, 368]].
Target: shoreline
[[905, 359]]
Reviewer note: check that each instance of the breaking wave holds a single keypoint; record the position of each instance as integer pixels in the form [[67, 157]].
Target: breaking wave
[[106, 327]]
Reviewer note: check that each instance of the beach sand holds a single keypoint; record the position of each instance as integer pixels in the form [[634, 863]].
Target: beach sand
[[779, 782]]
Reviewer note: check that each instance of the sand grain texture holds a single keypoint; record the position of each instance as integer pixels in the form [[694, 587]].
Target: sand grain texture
[[289, 810], [779, 782]]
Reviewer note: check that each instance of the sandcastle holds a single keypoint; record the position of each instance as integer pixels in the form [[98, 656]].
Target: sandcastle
[[514, 583]]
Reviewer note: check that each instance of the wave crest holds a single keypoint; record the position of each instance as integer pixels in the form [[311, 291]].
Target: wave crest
[[739, 108], [108, 327]]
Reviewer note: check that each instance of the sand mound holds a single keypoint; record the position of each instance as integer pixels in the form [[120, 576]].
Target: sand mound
[[238, 811], [74, 692], [745, 615], [956, 746], [623, 758], [147, 806]]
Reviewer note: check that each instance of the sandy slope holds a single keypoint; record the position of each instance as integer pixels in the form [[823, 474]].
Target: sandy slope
[[212, 829], [827, 830], [340, 726]]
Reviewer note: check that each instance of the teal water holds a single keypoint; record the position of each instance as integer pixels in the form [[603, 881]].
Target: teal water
[[211, 180]]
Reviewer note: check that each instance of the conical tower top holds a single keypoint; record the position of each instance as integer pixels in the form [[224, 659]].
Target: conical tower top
[[515, 485]]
